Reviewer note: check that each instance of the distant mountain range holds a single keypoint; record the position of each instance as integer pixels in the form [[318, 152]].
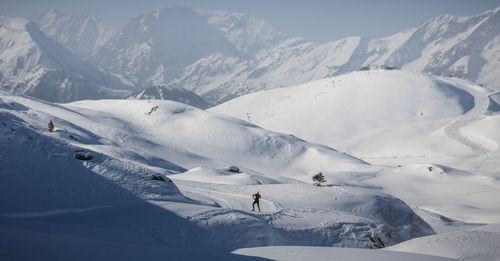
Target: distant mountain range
[[466, 47], [221, 55], [32, 63]]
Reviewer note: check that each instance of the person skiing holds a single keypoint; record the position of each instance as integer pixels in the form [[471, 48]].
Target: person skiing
[[256, 198]]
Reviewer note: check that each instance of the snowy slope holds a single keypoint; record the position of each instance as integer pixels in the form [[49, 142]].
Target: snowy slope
[[473, 244], [464, 47], [436, 137], [287, 253], [60, 207], [82, 34], [397, 104], [36, 65], [130, 142], [191, 138], [172, 93]]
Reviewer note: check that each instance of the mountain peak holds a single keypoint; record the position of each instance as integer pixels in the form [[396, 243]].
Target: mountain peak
[[35, 64], [82, 34]]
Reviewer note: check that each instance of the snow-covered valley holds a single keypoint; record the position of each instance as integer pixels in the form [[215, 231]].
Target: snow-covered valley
[[405, 156]]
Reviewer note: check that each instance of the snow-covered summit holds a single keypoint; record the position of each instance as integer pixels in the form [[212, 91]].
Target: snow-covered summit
[[153, 48], [36, 65], [249, 34], [82, 34]]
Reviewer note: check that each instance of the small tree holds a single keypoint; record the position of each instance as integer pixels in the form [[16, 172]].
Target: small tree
[[318, 179], [376, 241], [50, 126]]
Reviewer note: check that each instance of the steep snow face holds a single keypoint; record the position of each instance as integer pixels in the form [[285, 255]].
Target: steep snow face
[[82, 34], [33, 64], [465, 47], [249, 34], [155, 47], [172, 93], [354, 111]]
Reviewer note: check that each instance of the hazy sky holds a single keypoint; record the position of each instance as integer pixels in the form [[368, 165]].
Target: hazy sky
[[315, 20]]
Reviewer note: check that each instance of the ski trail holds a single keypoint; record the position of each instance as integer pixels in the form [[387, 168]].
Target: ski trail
[[481, 103], [230, 200]]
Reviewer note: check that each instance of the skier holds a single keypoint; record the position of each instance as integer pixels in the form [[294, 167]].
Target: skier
[[256, 198]]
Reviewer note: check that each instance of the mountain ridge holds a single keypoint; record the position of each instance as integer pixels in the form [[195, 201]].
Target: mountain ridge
[[36, 65]]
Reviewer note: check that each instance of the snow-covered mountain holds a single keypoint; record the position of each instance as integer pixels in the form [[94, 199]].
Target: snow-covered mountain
[[31, 63], [249, 34], [172, 93], [155, 47], [82, 34], [221, 55], [464, 47]]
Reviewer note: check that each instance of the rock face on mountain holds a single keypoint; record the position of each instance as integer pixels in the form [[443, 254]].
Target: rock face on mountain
[[172, 93], [32, 63], [82, 34]]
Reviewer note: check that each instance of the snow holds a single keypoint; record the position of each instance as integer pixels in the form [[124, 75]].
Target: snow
[[409, 115], [473, 244], [36, 65], [409, 158], [173, 93], [436, 138], [130, 143], [153, 48], [327, 253], [463, 47], [82, 34]]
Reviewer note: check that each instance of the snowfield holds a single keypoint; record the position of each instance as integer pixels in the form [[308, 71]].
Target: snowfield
[[409, 158]]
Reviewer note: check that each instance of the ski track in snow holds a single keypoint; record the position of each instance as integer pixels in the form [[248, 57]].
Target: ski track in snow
[[230, 200], [481, 103]]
